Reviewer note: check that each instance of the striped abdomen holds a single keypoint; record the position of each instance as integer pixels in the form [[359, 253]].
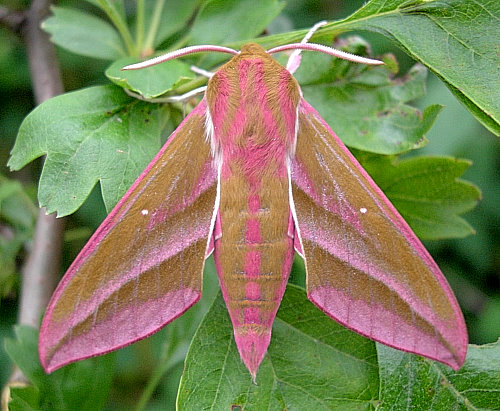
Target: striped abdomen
[[252, 105]]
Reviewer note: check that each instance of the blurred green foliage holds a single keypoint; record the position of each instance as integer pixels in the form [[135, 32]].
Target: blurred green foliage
[[472, 265]]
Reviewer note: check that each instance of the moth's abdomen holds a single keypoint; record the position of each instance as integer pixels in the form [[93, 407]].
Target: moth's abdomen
[[253, 259], [252, 110]]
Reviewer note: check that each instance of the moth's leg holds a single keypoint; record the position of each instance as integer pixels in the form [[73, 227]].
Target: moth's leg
[[170, 99], [187, 96], [183, 98], [294, 60], [201, 72]]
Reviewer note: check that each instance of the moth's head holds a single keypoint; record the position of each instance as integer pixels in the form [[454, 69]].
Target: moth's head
[[250, 55], [252, 49]]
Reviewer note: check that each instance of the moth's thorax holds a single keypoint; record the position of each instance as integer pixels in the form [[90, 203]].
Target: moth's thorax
[[252, 103]]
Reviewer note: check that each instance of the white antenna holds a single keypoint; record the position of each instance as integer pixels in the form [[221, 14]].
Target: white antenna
[[179, 53]]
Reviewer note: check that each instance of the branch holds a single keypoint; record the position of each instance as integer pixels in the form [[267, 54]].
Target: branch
[[40, 272], [11, 19], [42, 58]]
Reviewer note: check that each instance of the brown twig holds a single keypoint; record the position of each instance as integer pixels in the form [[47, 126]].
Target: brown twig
[[11, 19], [41, 269], [44, 66]]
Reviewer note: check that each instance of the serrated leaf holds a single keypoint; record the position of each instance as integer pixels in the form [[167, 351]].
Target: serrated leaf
[[90, 135], [312, 363], [427, 192], [233, 20], [409, 382], [81, 386], [152, 81], [84, 34], [365, 106], [456, 39]]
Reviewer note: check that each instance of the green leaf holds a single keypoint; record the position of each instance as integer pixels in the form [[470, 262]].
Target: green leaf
[[456, 39], [174, 340], [365, 106], [81, 386], [24, 398], [488, 325], [84, 34], [412, 383], [90, 135], [313, 363], [16, 204], [427, 192], [17, 218], [152, 81], [232, 20]]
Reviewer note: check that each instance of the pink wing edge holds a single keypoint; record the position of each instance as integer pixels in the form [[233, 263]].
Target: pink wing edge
[[399, 222], [105, 227]]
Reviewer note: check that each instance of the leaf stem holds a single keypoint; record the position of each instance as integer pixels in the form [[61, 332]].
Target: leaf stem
[[139, 32], [153, 29], [179, 43], [191, 85], [121, 26], [164, 364]]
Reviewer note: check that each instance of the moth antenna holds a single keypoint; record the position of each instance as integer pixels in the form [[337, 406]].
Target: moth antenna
[[327, 50], [294, 59], [179, 53], [313, 30]]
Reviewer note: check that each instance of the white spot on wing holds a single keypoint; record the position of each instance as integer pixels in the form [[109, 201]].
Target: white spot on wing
[[363, 210], [145, 212]]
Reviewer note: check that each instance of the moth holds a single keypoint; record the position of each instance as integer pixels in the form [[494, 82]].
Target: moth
[[252, 175]]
